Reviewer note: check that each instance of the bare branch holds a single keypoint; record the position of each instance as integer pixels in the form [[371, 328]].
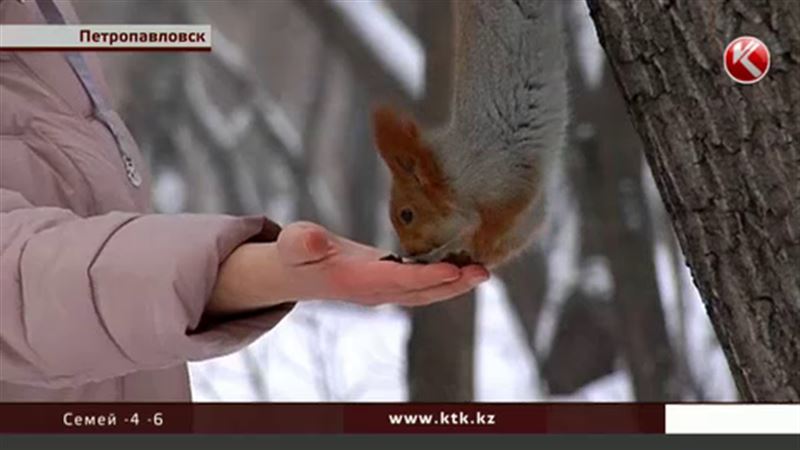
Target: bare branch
[[387, 57], [225, 135], [263, 115]]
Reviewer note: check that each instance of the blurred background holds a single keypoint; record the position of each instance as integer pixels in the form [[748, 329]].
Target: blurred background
[[276, 120]]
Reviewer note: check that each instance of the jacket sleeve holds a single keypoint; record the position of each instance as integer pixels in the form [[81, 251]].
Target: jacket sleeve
[[86, 299]]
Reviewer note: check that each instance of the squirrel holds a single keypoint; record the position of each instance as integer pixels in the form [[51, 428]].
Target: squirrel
[[472, 189]]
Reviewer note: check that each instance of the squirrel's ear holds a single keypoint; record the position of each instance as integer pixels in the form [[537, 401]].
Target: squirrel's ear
[[400, 145], [409, 158], [393, 137]]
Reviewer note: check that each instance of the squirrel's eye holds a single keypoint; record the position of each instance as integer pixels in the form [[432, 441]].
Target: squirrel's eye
[[406, 215]]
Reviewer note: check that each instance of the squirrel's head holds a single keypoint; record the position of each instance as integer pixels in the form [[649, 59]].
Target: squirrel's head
[[422, 206]]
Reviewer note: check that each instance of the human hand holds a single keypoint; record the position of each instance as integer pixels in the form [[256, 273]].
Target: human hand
[[309, 262]]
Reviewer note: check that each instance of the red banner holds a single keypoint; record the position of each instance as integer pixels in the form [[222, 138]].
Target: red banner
[[331, 418]]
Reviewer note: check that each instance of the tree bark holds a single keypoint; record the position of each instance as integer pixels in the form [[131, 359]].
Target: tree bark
[[726, 161]]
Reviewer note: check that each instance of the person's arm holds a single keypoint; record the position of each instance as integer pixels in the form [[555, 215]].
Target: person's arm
[[86, 299]]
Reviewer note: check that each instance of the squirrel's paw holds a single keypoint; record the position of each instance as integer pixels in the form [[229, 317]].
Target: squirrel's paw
[[454, 252]]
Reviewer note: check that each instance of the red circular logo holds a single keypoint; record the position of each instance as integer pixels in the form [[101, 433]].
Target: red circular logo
[[746, 60]]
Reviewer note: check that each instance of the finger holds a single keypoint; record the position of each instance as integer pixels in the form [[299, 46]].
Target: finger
[[475, 271], [423, 276], [360, 250], [304, 243], [471, 277], [393, 278]]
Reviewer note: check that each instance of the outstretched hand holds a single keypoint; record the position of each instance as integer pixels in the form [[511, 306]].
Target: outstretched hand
[[309, 262]]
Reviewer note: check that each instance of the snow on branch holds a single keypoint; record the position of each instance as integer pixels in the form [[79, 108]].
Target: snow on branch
[[390, 41], [377, 44]]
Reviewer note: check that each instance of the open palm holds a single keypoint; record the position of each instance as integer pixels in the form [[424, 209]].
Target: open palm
[[333, 267]]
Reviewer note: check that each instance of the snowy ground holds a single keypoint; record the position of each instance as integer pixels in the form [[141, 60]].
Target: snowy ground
[[326, 351]]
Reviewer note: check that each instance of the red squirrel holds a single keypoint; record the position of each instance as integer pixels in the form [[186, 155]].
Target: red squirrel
[[472, 190]]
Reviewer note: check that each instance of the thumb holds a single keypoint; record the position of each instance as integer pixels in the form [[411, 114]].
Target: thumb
[[304, 243]]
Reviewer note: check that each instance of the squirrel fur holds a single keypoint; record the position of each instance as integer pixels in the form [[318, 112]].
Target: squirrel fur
[[473, 187]]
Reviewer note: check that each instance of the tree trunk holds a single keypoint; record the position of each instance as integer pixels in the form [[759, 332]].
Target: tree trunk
[[525, 279], [441, 351], [725, 158]]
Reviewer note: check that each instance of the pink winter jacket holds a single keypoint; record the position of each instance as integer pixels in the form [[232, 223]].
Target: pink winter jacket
[[99, 300]]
